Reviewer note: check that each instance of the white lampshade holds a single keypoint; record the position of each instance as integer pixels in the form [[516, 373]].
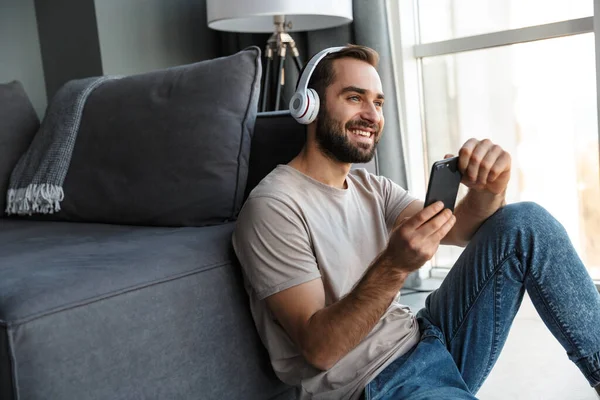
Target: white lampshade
[[257, 15]]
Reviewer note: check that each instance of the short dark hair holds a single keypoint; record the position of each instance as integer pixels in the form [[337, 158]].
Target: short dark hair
[[324, 74]]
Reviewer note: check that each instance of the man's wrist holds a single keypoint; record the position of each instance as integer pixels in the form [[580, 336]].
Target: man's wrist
[[484, 202], [387, 261]]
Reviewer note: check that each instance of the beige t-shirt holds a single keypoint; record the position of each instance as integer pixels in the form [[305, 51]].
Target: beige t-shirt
[[293, 229]]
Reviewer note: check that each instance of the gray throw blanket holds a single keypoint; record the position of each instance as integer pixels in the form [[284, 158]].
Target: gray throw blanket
[[36, 182]]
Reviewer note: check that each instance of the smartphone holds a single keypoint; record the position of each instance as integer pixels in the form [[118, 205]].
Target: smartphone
[[443, 183]]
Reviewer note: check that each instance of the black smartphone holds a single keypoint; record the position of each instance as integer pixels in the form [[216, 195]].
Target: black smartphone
[[443, 183]]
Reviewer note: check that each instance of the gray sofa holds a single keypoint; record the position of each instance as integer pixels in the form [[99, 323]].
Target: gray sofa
[[107, 310]]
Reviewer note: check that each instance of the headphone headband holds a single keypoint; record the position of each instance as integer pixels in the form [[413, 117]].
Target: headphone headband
[[312, 64]]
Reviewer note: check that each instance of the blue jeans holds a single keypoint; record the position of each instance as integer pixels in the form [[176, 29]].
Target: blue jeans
[[465, 323]]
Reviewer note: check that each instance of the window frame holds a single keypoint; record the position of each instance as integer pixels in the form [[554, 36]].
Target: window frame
[[408, 53]]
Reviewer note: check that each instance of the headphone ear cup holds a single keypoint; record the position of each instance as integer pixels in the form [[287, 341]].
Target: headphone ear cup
[[298, 105], [304, 107], [313, 106]]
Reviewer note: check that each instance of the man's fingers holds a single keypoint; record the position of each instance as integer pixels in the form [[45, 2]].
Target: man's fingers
[[477, 156], [482, 162], [435, 224], [488, 163], [425, 240], [444, 229], [424, 215], [464, 154], [502, 164]]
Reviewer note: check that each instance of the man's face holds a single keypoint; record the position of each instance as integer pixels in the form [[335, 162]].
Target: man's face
[[350, 122]]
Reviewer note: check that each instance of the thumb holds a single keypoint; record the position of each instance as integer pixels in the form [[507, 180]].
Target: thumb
[[448, 156]]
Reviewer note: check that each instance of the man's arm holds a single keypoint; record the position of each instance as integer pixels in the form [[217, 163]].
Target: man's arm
[[326, 334], [471, 212]]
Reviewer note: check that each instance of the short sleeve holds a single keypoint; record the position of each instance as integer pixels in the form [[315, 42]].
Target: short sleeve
[[396, 200], [273, 246]]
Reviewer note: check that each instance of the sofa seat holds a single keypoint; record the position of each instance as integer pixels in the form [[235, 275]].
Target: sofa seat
[[96, 311]]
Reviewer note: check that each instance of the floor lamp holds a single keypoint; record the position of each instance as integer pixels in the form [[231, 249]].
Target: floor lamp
[[279, 17]]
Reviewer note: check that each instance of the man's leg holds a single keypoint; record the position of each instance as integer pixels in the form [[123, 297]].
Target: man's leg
[[427, 371], [521, 247]]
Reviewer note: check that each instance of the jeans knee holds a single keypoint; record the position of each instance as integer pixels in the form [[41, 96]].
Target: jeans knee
[[527, 217], [524, 211]]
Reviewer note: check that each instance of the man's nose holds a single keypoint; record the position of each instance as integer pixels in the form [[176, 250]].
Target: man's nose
[[371, 113]]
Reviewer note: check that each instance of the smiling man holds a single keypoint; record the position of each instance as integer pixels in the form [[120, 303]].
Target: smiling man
[[325, 250]]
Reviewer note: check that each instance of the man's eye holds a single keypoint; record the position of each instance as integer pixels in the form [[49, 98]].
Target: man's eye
[[379, 103], [354, 98]]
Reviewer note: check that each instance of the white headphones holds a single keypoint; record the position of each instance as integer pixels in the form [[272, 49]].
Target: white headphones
[[304, 104]]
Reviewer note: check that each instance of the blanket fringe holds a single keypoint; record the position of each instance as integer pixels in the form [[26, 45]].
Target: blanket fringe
[[35, 198]]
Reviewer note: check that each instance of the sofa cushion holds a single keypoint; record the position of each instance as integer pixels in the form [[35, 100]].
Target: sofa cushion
[[46, 266], [18, 124], [166, 148], [99, 311]]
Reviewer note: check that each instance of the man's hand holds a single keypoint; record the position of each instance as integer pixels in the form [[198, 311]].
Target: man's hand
[[415, 240], [486, 171], [485, 166]]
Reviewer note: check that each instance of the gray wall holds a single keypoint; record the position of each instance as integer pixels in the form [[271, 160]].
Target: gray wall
[[46, 43], [69, 41], [144, 35], [20, 57]]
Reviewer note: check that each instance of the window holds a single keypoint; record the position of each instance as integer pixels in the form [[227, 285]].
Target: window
[[449, 19], [531, 89]]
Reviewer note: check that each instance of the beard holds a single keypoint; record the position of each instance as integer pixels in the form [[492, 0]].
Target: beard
[[335, 143]]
